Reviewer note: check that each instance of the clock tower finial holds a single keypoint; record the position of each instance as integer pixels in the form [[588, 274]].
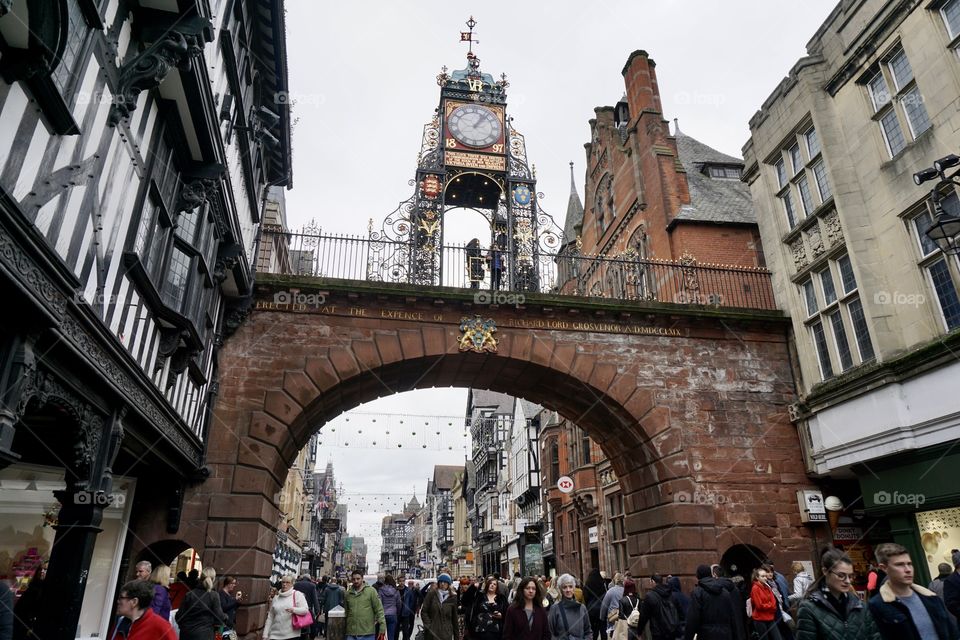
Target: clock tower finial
[[467, 36]]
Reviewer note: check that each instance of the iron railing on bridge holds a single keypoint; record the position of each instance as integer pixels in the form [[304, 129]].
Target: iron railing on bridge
[[565, 273]]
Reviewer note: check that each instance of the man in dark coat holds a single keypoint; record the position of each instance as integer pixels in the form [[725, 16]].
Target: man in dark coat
[[658, 610], [904, 610], [951, 588], [309, 590], [712, 615]]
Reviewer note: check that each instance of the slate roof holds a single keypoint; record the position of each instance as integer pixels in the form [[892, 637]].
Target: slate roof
[[443, 475], [501, 402], [529, 409], [722, 201]]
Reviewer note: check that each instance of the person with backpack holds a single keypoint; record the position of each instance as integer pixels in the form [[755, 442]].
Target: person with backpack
[[658, 610], [568, 618], [715, 613], [629, 604]]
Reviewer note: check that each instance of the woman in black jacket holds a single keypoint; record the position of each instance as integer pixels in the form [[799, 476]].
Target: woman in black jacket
[[526, 619], [628, 603], [200, 614], [487, 612], [593, 596]]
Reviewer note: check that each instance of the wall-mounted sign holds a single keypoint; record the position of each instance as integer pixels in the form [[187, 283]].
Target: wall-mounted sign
[[330, 525], [811, 506], [565, 484], [593, 535]]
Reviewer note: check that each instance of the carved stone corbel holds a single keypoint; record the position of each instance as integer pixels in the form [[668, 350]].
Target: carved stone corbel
[[17, 380], [227, 258], [194, 193]]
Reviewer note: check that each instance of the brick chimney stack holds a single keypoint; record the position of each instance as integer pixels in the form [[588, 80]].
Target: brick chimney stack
[[640, 78]]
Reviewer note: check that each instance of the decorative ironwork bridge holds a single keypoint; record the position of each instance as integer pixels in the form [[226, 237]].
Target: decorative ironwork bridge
[[566, 272]]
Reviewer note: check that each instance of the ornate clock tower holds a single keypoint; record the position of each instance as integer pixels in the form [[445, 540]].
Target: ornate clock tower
[[470, 157]]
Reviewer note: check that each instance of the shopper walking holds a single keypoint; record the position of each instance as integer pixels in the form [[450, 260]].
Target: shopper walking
[[763, 606], [229, 601], [526, 619], [364, 611], [487, 612], [137, 620], [593, 593], [287, 603], [713, 614], [200, 614], [160, 578], [569, 620], [831, 610], [801, 583], [408, 609], [904, 610], [629, 603], [390, 599], [610, 605], [439, 611]]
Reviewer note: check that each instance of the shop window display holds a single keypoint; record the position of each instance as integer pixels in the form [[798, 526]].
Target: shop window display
[[939, 534], [28, 513]]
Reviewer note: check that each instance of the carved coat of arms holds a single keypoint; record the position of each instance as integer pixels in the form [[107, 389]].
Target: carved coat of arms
[[476, 334]]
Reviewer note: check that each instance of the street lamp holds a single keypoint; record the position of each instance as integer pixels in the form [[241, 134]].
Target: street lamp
[[945, 230]]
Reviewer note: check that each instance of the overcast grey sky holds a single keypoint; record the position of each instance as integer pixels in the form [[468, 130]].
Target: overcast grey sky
[[363, 79]]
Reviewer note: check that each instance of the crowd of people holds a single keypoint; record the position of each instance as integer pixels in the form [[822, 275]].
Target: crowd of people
[[825, 606]]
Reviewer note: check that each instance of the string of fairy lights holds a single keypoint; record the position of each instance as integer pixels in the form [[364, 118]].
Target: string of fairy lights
[[395, 431]]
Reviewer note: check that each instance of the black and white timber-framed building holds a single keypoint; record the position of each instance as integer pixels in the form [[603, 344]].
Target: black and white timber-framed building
[[139, 139]]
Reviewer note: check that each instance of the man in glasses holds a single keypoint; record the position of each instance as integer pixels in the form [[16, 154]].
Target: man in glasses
[[904, 610], [138, 621]]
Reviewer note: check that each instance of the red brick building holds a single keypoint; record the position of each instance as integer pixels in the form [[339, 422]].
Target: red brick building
[[656, 194], [653, 195]]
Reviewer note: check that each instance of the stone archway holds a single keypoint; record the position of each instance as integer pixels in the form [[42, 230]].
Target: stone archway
[[686, 406]]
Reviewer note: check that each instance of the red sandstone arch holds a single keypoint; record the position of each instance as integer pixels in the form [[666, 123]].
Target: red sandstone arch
[[703, 411]]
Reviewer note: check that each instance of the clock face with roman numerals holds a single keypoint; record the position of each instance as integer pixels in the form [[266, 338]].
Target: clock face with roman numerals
[[474, 125]]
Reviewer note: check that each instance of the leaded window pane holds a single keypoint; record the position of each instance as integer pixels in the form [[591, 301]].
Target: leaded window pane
[[810, 297], [823, 185], [813, 142], [178, 274], [795, 160], [892, 132], [787, 200], [900, 69], [922, 223], [805, 196], [840, 337], [823, 352], [946, 293], [879, 93], [951, 17], [63, 75], [829, 291], [860, 330], [916, 111], [847, 279], [781, 173]]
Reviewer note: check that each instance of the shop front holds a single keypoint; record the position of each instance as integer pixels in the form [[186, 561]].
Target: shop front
[[29, 515], [918, 495]]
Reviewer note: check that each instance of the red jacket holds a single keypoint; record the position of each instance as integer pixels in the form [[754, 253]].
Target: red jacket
[[764, 602], [149, 626]]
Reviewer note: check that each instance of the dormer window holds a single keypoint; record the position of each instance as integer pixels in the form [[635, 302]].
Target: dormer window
[[726, 173]]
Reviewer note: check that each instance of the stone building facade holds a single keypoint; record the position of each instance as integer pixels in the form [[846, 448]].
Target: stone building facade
[[874, 304]]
